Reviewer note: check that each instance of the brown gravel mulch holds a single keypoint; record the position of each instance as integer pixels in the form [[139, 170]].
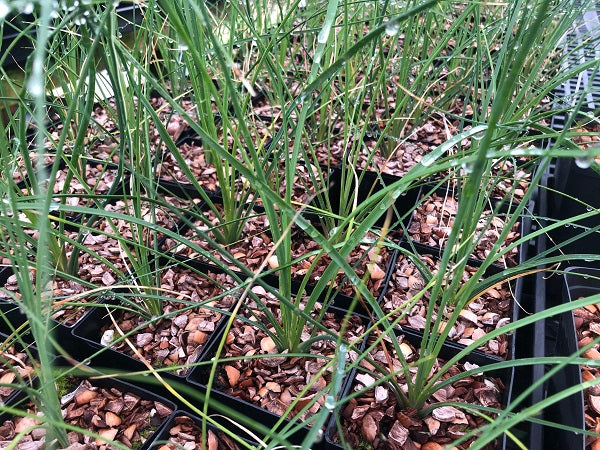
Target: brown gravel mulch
[[592, 139], [375, 418], [63, 291], [303, 187], [251, 249], [395, 155], [359, 258], [400, 160], [90, 269], [177, 340], [185, 433], [15, 365], [490, 310], [98, 179], [165, 216], [511, 179], [433, 219], [273, 383], [115, 415], [587, 324], [195, 157]]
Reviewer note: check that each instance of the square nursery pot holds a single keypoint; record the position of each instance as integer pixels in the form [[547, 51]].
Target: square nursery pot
[[122, 416], [102, 178], [522, 343], [580, 186], [250, 250], [192, 334], [175, 183], [18, 365], [576, 410], [369, 183], [171, 177], [184, 430], [200, 375], [12, 317], [402, 427], [433, 218], [402, 286]]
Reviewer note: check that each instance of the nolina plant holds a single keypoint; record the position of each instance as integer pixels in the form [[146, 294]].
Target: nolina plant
[[496, 72]]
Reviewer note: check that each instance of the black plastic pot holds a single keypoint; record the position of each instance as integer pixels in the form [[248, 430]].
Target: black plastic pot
[[555, 336], [503, 208], [578, 282], [164, 436], [578, 185], [61, 333], [492, 270], [110, 383], [90, 332], [199, 377], [11, 316], [562, 341], [370, 182], [448, 351], [181, 188], [19, 47], [71, 221], [31, 352]]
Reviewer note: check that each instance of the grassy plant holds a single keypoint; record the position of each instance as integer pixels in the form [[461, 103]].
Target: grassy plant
[[500, 59]]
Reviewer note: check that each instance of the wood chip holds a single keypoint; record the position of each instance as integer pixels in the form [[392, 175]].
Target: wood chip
[[469, 315], [108, 434], [233, 375], [144, 339], [592, 353], [267, 344], [381, 394], [108, 279], [445, 413], [366, 379], [85, 396], [398, 434], [377, 273], [369, 428], [129, 431], [213, 442], [586, 375], [112, 420], [24, 423], [595, 327], [273, 387], [406, 349], [595, 403], [432, 446], [433, 425]]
